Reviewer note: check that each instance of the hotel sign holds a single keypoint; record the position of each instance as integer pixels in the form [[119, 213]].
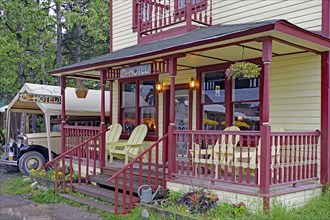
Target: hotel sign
[[29, 97], [135, 71]]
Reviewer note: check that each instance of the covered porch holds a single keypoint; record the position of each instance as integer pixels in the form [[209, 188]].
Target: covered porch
[[187, 142]]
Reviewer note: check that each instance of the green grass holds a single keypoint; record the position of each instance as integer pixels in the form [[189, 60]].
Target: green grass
[[16, 186], [318, 208]]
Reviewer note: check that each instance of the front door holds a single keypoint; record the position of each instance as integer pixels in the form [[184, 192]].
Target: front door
[[183, 110]]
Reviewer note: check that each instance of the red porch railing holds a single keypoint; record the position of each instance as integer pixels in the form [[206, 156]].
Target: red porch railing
[[85, 153], [157, 15], [215, 156], [75, 135], [155, 164]]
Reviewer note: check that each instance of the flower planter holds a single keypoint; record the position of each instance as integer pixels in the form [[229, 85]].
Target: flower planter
[[243, 70], [81, 93]]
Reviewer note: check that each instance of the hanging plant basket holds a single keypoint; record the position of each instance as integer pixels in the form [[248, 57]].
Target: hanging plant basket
[[81, 93], [243, 69]]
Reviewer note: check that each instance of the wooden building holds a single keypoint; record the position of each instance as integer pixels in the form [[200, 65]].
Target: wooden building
[[167, 69]]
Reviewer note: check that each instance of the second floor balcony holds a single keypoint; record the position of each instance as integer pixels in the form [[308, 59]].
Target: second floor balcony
[[156, 19]]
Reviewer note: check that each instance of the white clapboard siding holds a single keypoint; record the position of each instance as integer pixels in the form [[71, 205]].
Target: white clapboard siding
[[123, 35], [304, 13], [295, 92]]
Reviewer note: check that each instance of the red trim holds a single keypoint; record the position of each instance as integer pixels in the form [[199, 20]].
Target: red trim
[[63, 123], [134, 15], [111, 26], [111, 103], [325, 118], [102, 125], [288, 28], [326, 18], [265, 128], [228, 102]]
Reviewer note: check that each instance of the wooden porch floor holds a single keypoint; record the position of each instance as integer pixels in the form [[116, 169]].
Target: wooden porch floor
[[224, 183]]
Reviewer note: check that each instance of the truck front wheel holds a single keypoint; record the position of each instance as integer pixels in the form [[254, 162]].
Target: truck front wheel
[[8, 168], [31, 160]]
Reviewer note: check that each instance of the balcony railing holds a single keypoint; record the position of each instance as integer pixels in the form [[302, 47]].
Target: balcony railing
[[234, 156], [156, 16]]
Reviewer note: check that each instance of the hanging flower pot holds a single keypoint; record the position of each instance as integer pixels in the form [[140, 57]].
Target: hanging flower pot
[[81, 90], [243, 69], [81, 93]]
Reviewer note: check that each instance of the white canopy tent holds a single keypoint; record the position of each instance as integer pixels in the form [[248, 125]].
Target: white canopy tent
[[89, 106]]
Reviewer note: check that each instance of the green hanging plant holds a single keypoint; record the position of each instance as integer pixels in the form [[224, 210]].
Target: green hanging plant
[[243, 69]]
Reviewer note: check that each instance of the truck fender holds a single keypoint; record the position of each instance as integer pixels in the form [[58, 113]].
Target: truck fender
[[33, 147]]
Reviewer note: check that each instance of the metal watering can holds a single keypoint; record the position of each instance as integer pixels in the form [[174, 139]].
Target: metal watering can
[[145, 193]]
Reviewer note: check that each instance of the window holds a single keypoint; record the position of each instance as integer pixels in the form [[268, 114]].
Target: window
[[213, 100], [246, 103], [243, 103], [199, 5], [138, 105], [145, 13]]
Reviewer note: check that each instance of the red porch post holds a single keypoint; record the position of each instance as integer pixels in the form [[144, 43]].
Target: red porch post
[[171, 139], [325, 118], [265, 128], [63, 123], [188, 15], [102, 125], [110, 104], [325, 98]]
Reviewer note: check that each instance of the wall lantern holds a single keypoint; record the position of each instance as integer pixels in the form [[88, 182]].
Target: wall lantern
[[193, 84], [159, 87]]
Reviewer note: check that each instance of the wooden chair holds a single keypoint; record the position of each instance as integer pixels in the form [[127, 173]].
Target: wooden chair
[[132, 147], [112, 137], [203, 156], [251, 163]]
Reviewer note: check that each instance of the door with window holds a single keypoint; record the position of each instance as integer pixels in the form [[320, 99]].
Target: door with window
[[182, 109]]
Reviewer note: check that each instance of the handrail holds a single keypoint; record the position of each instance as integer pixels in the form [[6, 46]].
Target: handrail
[[69, 152], [136, 158], [129, 182], [75, 148]]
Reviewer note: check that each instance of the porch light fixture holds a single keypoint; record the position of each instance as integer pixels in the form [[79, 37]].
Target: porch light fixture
[[192, 84], [159, 87]]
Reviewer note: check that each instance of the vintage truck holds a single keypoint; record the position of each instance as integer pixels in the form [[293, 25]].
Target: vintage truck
[[24, 151]]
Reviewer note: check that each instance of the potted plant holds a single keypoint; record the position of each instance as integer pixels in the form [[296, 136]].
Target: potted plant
[[81, 90], [243, 69]]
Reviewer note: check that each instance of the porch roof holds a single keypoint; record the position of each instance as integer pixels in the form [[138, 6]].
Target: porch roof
[[203, 36]]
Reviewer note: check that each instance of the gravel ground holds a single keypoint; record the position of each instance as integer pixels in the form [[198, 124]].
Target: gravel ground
[[17, 207]]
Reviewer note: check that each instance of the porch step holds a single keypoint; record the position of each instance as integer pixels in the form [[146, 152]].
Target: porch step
[[111, 171], [101, 193], [89, 202], [102, 180]]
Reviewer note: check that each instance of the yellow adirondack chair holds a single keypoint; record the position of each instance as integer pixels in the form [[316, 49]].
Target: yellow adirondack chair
[[204, 156], [112, 137], [132, 147], [253, 154]]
